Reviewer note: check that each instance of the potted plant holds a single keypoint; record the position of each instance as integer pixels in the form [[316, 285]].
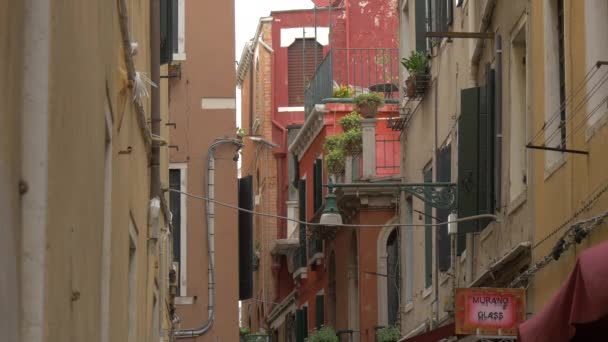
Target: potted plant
[[388, 334], [350, 121], [418, 67], [335, 160], [325, 334], [343, 92], [368, 104]]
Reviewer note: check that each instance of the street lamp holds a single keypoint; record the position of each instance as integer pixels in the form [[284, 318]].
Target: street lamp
[[331, 215]]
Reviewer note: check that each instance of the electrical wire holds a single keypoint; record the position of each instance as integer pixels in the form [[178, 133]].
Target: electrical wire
[[590, 73], [421, 225], [579, 106], [585, 207], [587, 117], [587, 226]]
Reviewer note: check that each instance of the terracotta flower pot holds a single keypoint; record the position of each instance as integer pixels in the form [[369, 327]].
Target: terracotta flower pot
[[410, 86], [367, 111]]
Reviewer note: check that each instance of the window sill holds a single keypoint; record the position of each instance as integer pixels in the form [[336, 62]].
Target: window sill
[[184, 300], [409, 306], [591, 131], [518, 202], [179, 57], [444, 276], [556, 165], [427, 292]]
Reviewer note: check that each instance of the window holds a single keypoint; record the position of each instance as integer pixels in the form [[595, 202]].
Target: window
[[302, 55], [177, 205], [409, 251], [562, 71], [444, 174], [439, 15], [476, 158], [517, 129], [179, 29], [555, 81], [596, 27], [319, 311], [393, 277], [302, 324], [318, 184], [302, 218], [132, 279], [168, 26], [428, 233]]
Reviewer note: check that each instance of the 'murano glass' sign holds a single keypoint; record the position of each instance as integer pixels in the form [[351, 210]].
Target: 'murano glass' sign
[[489, 311]]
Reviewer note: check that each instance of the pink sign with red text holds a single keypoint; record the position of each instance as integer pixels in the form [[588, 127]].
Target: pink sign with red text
[[489, 311]]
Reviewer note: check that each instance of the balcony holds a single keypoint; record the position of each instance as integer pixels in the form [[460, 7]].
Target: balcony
[[361, 70]]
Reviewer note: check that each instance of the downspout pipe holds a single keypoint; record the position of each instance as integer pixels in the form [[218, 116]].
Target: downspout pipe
[[34, 169], [498, 122], [210, 220], [155, 96]]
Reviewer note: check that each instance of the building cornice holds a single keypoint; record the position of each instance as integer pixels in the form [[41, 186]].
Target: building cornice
[[311, 128], [248, 52]]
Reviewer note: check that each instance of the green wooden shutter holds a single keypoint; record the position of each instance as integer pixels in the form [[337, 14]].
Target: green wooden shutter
[[428, 234], [305, 321], [468, 163], [166, 34], [420, 25], [299, 326], [302, 217], [318, 184], [319, 311]]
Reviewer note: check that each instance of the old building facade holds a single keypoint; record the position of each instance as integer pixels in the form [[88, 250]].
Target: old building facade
[[203, 155], [85, 236]]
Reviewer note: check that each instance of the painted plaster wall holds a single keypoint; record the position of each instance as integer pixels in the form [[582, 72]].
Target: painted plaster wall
[[367, 238], [11, 68], [79, 95], [208, 72], [284, 20], [451, 70], [559, 194]]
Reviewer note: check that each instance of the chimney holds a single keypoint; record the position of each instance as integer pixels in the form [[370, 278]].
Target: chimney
[[368, 127]]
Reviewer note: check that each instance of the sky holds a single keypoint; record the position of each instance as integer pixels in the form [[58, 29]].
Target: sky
[[247, 16]]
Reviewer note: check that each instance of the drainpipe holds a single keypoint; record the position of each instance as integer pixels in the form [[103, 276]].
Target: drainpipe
[[34, 166], [210, 220], [498, 121], [155, 96]]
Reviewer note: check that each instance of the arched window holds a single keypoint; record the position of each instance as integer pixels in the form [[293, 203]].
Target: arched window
[[389, 276], [393, 278]]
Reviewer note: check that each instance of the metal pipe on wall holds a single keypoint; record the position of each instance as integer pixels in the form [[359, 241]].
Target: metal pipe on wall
[[498, 123], [210, 220]]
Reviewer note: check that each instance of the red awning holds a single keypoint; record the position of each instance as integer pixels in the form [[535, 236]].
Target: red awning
[[579, 311], [434, 335]]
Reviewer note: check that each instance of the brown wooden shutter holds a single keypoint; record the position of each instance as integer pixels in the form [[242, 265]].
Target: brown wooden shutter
[[301, 67]]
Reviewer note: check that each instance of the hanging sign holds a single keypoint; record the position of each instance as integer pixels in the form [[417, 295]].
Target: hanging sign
[[489, 311]]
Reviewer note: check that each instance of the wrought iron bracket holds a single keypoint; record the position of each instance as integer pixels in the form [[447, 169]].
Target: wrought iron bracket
[[437, 195], [440, 195]]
